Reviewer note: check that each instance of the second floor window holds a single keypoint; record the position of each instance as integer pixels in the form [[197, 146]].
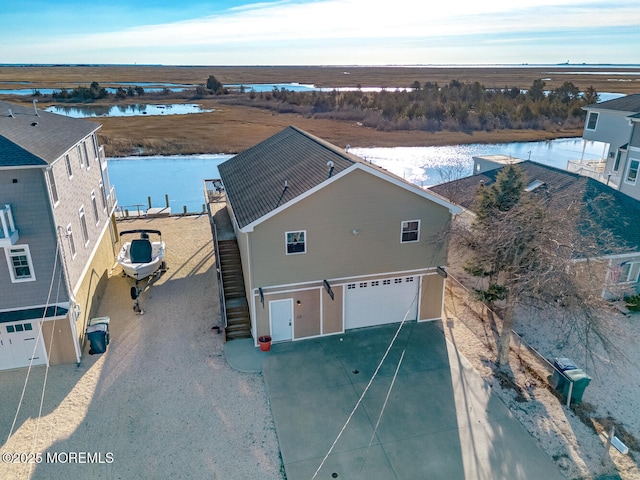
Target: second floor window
[[67, 162], [20, 265], [83, 226], [94, 203], [52, 187], [632, 173], [296, 242], [410, 231], [593, 120]]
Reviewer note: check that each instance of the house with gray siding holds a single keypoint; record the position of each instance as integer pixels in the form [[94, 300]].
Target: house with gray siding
[[330, 242], [56, 233], [613, 123], [602, 209]]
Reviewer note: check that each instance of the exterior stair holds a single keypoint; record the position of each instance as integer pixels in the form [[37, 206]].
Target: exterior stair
[[236, 306]]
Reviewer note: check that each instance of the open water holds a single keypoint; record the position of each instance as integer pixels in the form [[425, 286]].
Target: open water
[[181, 177]]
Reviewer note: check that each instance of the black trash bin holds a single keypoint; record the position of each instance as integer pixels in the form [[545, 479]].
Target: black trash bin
[[562, 364], [580, 382], [98, 335]]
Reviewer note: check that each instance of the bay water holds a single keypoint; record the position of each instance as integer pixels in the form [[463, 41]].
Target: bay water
[[180, 177]]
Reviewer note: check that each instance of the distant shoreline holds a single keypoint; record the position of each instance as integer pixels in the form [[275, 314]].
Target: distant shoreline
[[232, 128]]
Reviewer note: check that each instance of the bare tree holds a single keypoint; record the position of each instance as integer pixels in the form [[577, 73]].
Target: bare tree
[[524, 253]]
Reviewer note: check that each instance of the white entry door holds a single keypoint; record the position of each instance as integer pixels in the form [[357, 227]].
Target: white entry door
[[281, 319], [381, 301], [21, 345]]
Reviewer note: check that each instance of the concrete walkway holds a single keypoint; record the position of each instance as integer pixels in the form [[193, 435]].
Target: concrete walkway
[[441, 421]]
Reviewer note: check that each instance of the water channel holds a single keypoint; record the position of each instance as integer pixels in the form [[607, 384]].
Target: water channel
[[180, 177]]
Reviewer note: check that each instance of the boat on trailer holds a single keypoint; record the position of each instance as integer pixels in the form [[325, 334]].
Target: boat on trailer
[[142, 260], [140, 257]]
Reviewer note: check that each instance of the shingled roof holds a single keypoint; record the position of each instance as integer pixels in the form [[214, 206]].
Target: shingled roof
[[28, 139], [563, 188], [628, 103]]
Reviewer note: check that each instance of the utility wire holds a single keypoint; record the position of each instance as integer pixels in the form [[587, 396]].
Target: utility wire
[[367, 387], [44, 315]]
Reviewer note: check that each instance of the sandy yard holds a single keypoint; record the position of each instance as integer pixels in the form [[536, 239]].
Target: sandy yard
[[161, 402], [611, 396]]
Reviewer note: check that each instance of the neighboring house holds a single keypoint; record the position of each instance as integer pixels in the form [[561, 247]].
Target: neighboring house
[[622, 269], [56, 232], [329, 242], [613, 123]]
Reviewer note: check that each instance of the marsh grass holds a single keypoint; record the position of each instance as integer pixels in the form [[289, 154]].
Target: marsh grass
[[233, 128]]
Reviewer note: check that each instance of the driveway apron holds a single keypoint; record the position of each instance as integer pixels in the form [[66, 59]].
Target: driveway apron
[[439, 420]]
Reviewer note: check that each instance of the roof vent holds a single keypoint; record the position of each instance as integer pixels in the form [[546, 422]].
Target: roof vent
[[11, 114], [34, 124], [35, 107], [331, 167]]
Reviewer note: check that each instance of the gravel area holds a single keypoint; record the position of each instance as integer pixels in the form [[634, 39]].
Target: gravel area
[[162, 401]]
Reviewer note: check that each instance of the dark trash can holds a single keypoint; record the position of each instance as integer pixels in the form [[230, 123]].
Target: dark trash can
[[580, 382], [564, 365], [98, 335]]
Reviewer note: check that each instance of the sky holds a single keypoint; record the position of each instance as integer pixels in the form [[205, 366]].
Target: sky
[[319, 32]]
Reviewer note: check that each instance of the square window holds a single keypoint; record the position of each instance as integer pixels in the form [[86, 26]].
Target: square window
[[375, 283], [409, 279], [19, 328], [410, 231], [20, 265], [28, 327], [351, 286], [593, 120], [363, 284], [397, 280], [296, 242], [10, 329], [386, 282]]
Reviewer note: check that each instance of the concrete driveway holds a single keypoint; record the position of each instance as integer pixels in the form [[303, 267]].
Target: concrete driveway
[[441, 421]]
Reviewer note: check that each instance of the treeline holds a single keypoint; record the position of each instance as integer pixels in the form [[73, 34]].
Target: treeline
[[430, 107]]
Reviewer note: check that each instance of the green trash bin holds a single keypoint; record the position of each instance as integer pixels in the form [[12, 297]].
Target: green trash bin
[[580, 381]]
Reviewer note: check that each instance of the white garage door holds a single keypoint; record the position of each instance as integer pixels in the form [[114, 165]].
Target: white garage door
[[19, 343], [381, 301]]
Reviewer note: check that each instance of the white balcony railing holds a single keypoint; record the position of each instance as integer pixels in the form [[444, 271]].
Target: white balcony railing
[[594, 169], [8, 231]]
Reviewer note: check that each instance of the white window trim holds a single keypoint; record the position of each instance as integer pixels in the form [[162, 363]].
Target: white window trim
[[94, 206], [67, 163], [626, 175], [12, 273], [72, 243], [85, 151], [632, 271], [83, 226], [402, 231], [51, 181], [103, 195], [80, 157], [286, 242], [586, 127]]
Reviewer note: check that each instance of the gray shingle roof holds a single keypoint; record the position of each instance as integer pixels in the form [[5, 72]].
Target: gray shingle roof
[[37, 140], [563, 188], [255, 179], [628, 103]]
